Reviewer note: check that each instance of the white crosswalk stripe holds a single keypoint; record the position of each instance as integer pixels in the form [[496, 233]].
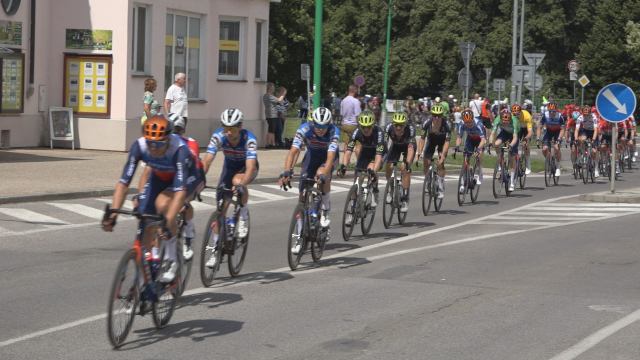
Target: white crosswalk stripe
[[83, 210], [127, 205], [33, 217]]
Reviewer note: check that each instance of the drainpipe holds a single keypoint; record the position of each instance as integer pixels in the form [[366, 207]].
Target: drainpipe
[[32, 47]]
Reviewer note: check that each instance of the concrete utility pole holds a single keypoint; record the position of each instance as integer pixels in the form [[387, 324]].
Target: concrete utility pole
[[514, 50], [317, 56], [521, 53], [383, 115]]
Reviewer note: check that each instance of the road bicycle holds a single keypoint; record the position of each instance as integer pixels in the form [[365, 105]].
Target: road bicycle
[[393, 196], [551, 164], [500, 172], [430, 188], [587, 163], [468, 180], [143, 288], [521, 170], [229, 241], [305, 230], [361, 210]]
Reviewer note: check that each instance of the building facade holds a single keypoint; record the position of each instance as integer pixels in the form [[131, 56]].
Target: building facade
[[94, 56]]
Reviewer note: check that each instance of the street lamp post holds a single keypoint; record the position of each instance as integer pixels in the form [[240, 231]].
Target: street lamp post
[[383, 116], [317, 55], [514, 51]]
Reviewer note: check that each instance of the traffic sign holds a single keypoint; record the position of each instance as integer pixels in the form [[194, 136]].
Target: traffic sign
[[573, 65], [573, 76], [534, 59], [616, 102], [466, 48], [305, 72], [528, 82], [519, 73], [487, 71], [584, 80], [462, 79], [359, 80], [499, 84]]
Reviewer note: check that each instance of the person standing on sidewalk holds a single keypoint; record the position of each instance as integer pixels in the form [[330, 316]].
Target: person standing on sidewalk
[[282, 107], [337, 118], [304, 109], [149, 103], [176, 99], [349, 111], [271, 113]]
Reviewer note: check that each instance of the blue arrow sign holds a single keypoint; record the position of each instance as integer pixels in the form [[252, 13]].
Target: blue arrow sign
[[616, 102]]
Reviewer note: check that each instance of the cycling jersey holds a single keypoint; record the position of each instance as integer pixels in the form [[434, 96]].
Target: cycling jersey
[[408, 136], [318, 146], [571, 123], [195, 151], [176, 164], [605, 127], [443, 131], [512, 127], [525, 120], [234, 157], [373, 142], [587, 122], [553, 124], [475, 132]]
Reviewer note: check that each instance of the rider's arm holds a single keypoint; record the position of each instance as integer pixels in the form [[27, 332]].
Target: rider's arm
[[483, 136], [120, 193], [540, 125], [179, 187], [516, 130], [251, 161], [144, 178], [212, 150], [352, 143]]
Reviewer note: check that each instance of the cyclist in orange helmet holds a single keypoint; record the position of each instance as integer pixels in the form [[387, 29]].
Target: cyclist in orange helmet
[[476, 138]]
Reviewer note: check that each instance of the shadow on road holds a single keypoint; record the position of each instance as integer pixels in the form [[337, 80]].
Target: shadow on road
[[260, 278], [447, 212], [212, 300], [386, 236], [486, 202], [341, 246], [526, 188]]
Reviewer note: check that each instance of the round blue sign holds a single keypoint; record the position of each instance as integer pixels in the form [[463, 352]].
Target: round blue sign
[[359, 80], [616, 102]]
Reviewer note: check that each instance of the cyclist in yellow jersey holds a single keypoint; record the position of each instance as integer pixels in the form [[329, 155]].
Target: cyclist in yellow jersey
[[526, 132]]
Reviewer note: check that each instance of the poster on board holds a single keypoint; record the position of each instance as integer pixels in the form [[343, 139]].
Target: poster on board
[[61, 125]]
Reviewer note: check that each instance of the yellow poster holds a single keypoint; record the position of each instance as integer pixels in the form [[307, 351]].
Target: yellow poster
[[12, 83], [87, 85], [230, 45]]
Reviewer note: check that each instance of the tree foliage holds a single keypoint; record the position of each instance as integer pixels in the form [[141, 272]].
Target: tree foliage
[[424, 60]]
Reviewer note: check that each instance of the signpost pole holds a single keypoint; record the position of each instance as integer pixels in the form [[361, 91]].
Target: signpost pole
[[383, 115], [535, 66], [574, 91], [468, 72], [308, 93], [317, 58], [614, 137], [582, 101]]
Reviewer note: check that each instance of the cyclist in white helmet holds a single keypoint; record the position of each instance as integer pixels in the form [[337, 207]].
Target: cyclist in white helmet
[[240, 148], [321, 138]]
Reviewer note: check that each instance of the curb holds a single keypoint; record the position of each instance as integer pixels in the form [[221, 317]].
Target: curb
[[622, 197], [60, 196]]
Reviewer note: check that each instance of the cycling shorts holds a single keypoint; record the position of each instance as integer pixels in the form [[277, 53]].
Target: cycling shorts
[[551, 135], [155, 186], [506, 138], [310, 167], [227, 175]]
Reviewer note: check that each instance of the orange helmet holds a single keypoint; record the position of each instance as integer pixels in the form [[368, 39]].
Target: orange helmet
[[505, 115], [516, 109], [586, 110], [458, 108], [157, 128], [467, 116], [553, 106]]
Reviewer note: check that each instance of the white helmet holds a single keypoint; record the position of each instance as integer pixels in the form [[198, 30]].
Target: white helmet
[[231, 117], [438, 99], [177, 120], [321, 116]]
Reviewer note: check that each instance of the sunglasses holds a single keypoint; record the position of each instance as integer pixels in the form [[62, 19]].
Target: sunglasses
[[156, 144], [399, 126], [321, 127], [366, 128], [230, 128]]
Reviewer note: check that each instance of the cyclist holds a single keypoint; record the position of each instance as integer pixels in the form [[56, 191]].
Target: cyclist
[[240, 149], [554, 123], [631, 137], [526, 132], [439, 130], [623, 132], [318, 163], [172, 179], [570, 133], [372, 153], [509, 130], [605, 130], [476, 139], [587, 127], [403, 140]]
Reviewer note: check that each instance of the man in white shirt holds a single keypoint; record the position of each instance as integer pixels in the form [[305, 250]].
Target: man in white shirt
[[349, 111], [176, 99], [476, 105]]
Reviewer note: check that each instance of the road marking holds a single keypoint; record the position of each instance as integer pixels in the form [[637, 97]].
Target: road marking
[[540, 218], [609, 209], [593, 214], [53, 329], [6, 232], [83, 210], [127, 205], [595, 338], [201, 206], [593, 204], [507, 223], [265, 195], [33, 217], [209, 194]]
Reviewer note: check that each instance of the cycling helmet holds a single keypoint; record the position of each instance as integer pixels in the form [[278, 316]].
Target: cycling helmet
[[231, 117], [516, 109], [586, 110], [458, 109], [594, 109], [177, 120], [467, 116], [321, 116], [157, 128], [366, 118], [575, 115], [437, 109], [400, 118], [505, 115], [553, 106]]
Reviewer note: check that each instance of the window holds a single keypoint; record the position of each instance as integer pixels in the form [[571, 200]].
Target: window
[[231, 50], [260, 54], [141, 44], [183, 53]]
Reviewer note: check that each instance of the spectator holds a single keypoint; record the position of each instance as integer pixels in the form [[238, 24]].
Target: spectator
[[304, 109], [363, 105], [327, 104], [450, 101], [457, 118], [282, 107], [176, 99], [486, 112], [151, 106], [336, 109], [476, 105], [349, 110], [271, 113]]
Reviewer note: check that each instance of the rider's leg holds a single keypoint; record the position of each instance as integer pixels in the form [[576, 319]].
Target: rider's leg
[[527, 156], [387, 170]]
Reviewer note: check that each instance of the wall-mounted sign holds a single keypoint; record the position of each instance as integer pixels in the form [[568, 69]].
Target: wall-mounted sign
[[10, 32], [85, 39], [87, 84], [12, 83], [230, 45], [11, 6], [180, 45]]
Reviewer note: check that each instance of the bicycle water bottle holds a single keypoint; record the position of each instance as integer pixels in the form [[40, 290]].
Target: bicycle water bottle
[[312, 218], [230, 226]]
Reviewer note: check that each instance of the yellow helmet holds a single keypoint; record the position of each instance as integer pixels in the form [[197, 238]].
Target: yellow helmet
[[400, 118], [437, 109], [310, 117], [366, 118]]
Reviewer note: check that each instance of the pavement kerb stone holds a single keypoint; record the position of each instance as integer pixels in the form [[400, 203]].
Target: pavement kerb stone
[[631, 196]]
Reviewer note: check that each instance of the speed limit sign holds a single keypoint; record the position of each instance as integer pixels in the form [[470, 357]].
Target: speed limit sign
[[573, 65]]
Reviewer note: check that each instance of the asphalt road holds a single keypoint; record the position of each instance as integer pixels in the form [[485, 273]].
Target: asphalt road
[[533, 276]]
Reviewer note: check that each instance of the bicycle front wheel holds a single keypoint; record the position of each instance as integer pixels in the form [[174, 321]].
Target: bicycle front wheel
[[548, 171], [317, 245], [388, 206], [475, 187], [461, 189], [167, 296], [584, 171], [437, 203], [498, 179], [239, 246], [123, 299], [369, 214], [297, 234], [349, 222], [426, 194], [402, 217], [186, 265], [522, 173], [207, 274]]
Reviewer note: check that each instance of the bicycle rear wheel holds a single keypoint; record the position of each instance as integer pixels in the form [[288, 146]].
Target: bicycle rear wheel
[[621, 160], [369, 214], [186, 265], [347, 227], [475, 187], [426, 194], [388, 207], [629, 160], [167, 295], [522, 174], [435, 189], [401, 216], [207, 275], [297, 235], [592, 172], [462, 185], [236, 260], [498, 179], [123, 299]]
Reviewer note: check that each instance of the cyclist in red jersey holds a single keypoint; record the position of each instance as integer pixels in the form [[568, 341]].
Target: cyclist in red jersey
[[570, 133]]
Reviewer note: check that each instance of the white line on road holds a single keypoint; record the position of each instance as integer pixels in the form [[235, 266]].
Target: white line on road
[[608, 209], [264, 195], [127, 205], [80, 209], [507, 223], [53, 329], [580, 214], [593, 204], [540, 218], [33, 217], [197, 205]]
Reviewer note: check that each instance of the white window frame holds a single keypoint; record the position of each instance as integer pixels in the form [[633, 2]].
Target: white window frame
[[263, 47], [202, 56], [147, 43], [242, 57]]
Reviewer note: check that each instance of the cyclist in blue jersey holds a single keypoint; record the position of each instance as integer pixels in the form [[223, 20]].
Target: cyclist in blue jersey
[[173, 178], [321, 139], [476, 138], [555, 124], [239, 147]]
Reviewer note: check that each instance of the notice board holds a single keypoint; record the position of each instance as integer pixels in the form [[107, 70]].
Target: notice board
[[12, 83], [87, 84]]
